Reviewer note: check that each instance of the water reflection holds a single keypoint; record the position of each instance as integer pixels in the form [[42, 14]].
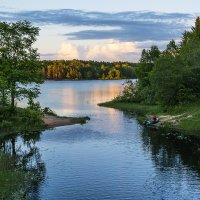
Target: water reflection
[[21, 168], [110, 157], [75, 97], [177, 163], [169, 150]]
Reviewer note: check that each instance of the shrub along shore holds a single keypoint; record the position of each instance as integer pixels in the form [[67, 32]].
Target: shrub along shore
[[29, 120], [183, 118]]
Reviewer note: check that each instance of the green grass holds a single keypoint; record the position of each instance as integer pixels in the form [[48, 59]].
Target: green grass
[[76, 120], [143, 111], [188, 125], [192, 123], [133, 107], [80, 120]]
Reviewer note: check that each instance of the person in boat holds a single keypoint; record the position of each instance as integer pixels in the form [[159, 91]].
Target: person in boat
[[154, 120]]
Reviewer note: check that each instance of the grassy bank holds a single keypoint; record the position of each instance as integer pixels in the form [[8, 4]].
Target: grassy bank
[[20, 119], [132, 107], [29, 120], [183, 117], [79, 120]]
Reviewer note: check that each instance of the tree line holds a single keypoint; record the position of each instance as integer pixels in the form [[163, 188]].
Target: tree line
[[79, 69], [167, 77], [170, 77], [21, 70]]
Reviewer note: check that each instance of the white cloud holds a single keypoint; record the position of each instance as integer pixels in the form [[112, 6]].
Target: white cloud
[[112, 51], [109, 50], [68, 51]]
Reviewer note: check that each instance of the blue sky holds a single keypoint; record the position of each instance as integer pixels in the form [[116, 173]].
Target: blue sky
[[102, 30]]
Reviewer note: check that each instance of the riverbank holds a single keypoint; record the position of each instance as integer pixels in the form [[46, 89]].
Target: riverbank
[[183, 117], [29, 120], [52, 121]]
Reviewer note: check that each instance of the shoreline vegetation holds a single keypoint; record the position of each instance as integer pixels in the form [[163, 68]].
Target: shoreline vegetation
[[168, 84], [183, 118], [168, 81], [52, 120], [30, 120], [21, 73]]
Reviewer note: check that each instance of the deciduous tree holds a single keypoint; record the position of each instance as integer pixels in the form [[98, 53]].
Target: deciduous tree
[[19, 59]]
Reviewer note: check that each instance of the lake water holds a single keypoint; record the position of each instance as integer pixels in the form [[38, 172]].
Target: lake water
[[110, 157]]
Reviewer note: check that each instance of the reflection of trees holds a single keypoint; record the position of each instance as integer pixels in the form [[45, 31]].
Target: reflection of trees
[[169, 150], [22, 169]]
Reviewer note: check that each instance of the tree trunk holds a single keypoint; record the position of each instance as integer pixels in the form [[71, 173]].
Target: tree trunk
[[13, 146], [13, 96], [3, 98]]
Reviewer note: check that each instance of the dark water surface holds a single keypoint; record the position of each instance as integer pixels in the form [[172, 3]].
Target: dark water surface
[[110, 157]]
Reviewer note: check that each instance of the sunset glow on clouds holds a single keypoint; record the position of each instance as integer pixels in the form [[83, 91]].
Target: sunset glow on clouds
[[88, 31], [68, 51], [111, 50]]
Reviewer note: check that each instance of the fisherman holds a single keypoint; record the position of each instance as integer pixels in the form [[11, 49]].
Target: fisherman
[[154, 119]]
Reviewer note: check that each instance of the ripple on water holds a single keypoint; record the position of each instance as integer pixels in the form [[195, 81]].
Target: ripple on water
[[110, 157]]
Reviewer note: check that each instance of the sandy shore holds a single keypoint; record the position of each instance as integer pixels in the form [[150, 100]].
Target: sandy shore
[[173, 119], [55, 121]]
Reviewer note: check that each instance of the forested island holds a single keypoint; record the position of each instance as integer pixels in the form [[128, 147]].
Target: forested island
[[168, 83], [87, 70]]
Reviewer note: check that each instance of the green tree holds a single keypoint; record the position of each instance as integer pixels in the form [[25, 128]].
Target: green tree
[[114, 74], [19, 60], [166, 79], [172, 48], [176, 75], [148, 58], [79, 69], [170, 77]]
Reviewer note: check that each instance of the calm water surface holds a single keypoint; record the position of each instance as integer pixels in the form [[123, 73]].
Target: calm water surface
[[112, 156]]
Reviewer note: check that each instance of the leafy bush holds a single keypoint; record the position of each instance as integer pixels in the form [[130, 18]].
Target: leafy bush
[[48, 111], [34, 105], [128, 93]]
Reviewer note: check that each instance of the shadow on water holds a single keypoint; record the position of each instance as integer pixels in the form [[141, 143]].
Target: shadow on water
[[176, 158], [21, 168], [169, 148], [166, 144]]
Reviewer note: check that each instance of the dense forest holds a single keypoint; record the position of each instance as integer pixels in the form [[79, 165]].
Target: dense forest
[[170, 77], [78, 69]]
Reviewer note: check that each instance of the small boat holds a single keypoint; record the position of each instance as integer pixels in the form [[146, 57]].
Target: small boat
[[152, 123]]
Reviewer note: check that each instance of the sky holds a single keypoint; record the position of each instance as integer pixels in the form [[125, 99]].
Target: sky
[[102, 30]]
